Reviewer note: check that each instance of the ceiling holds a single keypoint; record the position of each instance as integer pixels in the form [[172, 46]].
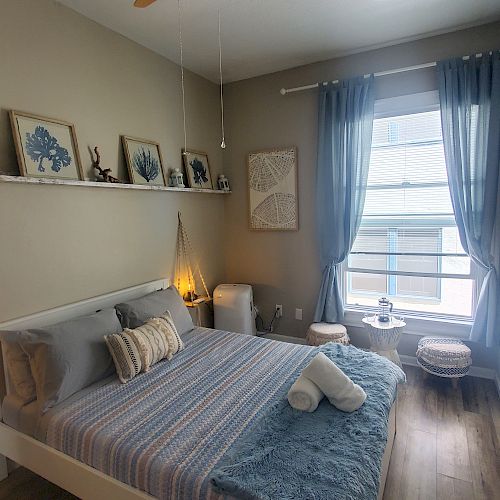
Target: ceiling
[[264, 36]]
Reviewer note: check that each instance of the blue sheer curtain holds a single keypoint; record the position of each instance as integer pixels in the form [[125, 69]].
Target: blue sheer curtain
[[344, 143], [469, 93]]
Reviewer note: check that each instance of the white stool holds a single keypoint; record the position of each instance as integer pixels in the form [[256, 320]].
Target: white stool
[[444, 357], [321, 333]]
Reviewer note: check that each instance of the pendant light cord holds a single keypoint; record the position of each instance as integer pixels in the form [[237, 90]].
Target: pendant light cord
[[223, 142], [182, 75]]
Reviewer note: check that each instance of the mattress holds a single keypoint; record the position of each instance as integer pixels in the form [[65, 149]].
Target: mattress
[[164, 431], [27, 417], [328, 453]]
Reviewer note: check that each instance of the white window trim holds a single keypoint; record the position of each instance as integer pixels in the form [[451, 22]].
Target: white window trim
[[407, 104], [417, 323], [361, 270]]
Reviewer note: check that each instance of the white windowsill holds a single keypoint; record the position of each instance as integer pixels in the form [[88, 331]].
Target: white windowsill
[[418, 325]]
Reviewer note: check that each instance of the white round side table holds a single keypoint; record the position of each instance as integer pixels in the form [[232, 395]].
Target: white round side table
[[384, 337]]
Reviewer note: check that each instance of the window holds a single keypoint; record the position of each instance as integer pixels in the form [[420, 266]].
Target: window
[[408, 247]]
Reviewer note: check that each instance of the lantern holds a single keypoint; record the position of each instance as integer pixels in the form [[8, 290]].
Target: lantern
[[223, 183], [176, 178]]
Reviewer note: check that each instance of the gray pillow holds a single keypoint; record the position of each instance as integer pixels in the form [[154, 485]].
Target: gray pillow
[[68, 356], [136, 312]]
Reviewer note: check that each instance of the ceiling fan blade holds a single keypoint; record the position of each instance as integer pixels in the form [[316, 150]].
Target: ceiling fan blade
[[143, 3]]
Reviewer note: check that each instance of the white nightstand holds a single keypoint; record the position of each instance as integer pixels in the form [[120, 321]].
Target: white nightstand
[[384, 337]]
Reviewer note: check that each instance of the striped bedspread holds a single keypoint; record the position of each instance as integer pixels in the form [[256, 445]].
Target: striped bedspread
[[166, 430]]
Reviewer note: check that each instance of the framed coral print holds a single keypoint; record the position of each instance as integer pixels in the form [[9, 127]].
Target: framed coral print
[[45, 147], [272, 190], [197, 169], [144, 161]]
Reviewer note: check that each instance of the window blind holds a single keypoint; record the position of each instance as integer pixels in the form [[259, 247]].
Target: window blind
[[408, 208], [408, 247]]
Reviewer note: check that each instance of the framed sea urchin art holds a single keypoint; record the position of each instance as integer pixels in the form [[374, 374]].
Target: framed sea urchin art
[[45, 147], [197, 169], [144, 161], [272, 190]]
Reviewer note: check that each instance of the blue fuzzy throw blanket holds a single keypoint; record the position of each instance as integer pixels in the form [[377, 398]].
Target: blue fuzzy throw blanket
[[327, 454]]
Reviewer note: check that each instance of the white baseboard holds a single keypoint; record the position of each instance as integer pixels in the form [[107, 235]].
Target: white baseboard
[[475, 371]]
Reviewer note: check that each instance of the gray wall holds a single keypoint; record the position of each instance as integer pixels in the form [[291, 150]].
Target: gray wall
[[283, 266], [60, 244]]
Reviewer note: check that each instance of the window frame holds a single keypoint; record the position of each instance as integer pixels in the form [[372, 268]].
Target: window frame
[[417, 321], [392, 272]]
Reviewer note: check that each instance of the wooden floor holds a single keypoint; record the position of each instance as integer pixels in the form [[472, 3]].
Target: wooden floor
[[22, 484], [447, 441], [446, 447]]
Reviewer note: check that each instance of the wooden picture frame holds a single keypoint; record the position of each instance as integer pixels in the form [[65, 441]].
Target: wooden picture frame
[[144, 161], [197, 169], [45, 147], [273, 202]]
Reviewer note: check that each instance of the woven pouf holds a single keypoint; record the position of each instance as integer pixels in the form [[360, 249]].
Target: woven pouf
[[444, 357], [321, 333]]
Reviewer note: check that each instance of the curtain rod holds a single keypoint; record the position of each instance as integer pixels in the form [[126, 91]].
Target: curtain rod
[[284, 91]]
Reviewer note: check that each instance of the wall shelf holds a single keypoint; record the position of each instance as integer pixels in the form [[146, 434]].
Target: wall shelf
[[40, 180]]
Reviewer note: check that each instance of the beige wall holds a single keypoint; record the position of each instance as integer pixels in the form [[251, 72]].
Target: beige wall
[[59, 244], [283, 267]]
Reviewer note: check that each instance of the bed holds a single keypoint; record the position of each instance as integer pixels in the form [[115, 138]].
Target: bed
[[164, 433]]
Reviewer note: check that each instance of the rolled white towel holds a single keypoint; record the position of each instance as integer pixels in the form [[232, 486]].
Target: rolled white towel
[[304, 395], [340, 390]]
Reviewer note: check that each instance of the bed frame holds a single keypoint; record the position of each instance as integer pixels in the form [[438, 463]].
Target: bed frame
[[72, 475]]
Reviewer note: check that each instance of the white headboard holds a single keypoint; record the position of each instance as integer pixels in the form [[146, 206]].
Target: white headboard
[[70, 311]]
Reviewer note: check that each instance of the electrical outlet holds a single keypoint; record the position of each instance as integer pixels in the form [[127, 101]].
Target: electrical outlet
[[298, 314], [279, 310]]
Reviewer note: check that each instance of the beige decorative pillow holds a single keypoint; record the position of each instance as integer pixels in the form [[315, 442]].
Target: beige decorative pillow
[[139, 349], [174, 340], [125, 355], [19, 370], [151, 342]]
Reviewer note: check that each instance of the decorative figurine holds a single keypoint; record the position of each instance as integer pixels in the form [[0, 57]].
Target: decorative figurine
[[176, 178], [104, 173], [223, 183]]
